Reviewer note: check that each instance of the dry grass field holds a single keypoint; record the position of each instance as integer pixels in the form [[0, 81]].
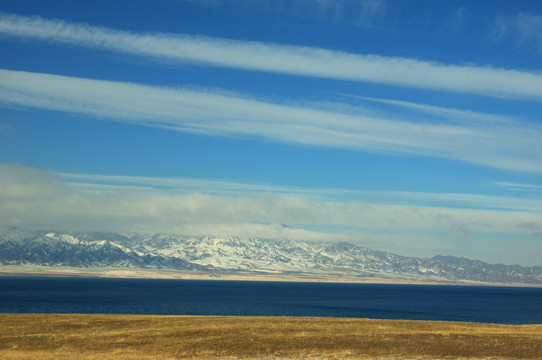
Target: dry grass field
[[42, 336]]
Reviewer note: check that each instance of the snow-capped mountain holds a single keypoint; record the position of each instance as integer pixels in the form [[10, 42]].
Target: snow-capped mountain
[[233, 253], [23, 247]]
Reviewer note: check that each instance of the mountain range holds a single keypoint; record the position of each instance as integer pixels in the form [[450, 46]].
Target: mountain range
[[227, 254]]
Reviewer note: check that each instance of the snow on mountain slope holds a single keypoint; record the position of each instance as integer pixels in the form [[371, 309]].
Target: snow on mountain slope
[[23, 247], [253, 254], [230, 252], [96, 244], [234, 253]]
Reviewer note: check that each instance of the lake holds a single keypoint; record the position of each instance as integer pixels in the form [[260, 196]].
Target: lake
[[42, 294]]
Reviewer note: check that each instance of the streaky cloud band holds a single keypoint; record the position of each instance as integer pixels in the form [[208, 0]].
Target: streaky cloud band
[[509, 145], [284, 59], [177, 185]]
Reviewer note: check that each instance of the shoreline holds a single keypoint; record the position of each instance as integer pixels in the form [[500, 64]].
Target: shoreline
[[15, 270]]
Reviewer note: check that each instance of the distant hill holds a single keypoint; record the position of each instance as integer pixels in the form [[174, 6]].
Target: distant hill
[[232, 253]]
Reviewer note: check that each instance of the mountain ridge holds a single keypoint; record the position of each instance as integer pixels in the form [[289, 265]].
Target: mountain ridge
[[206, 254]]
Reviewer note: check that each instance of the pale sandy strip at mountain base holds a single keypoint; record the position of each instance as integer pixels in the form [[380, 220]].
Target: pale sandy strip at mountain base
[[346, 277]]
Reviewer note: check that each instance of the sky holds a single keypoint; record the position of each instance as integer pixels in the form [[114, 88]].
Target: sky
[[413, 127]]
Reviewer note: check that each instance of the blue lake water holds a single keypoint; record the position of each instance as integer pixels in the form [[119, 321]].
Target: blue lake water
[[39, 294]]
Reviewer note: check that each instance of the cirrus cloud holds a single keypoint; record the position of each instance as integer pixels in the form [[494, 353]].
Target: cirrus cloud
[[510, 144], [524, 28], [285, 59]]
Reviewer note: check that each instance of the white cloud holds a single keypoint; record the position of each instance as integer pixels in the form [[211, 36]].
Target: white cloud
[[6, 126], [358, 13], [115, 183], [40, 199], [519, 187], [504, 146], [451, 115], [276, 58], [180, 185], [456, 21], [524, 28]]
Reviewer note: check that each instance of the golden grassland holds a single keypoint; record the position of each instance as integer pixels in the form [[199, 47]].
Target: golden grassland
[[52, 336]]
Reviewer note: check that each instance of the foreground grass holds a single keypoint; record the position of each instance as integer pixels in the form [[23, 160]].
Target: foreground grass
[[46, 336]]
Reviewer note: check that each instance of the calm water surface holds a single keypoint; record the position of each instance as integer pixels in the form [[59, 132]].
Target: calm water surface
[[204, 297]]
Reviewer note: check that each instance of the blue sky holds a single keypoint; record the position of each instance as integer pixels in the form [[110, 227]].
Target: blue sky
[[407, 126]]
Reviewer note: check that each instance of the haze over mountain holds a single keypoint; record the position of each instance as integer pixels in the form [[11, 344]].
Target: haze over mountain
[[209, 254]]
